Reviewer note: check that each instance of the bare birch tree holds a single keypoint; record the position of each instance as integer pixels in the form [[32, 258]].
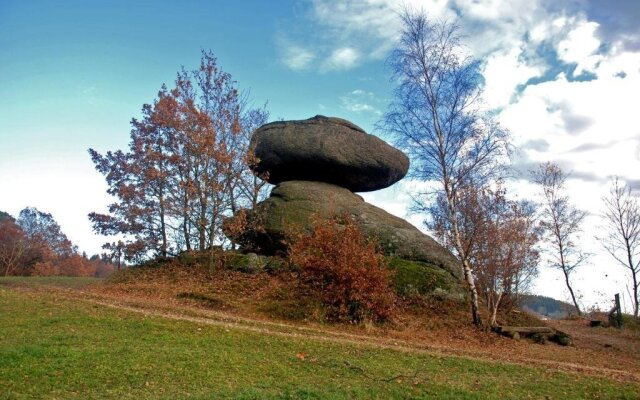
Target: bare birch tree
[[437, 118], [622, 240], [562, 222]]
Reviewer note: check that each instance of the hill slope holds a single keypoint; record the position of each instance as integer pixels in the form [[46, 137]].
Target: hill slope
[[75, 344]]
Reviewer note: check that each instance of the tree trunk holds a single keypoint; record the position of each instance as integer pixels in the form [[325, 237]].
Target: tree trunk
[[633, 276], [563, 266], [468, 276], [212, 228], [163, 228], [573, 296], [202, 224], [185, 221], [202, 232], [494, 310], [257, 185], [635, 294], [468, 272], [185, 232]]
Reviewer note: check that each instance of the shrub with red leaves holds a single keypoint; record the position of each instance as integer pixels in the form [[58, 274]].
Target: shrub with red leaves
[[344, 270]]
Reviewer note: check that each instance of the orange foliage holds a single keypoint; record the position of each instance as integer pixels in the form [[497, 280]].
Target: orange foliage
[[35, 245], [186, 168], [13, 246], [344, 270], [44, 268], [74, 265]]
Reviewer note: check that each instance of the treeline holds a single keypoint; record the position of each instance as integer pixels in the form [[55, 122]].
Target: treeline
[[34, 244], [546, 306], [186, 168]]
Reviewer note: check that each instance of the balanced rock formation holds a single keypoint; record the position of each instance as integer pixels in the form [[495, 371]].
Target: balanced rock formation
[[317, 164], [325, 149]]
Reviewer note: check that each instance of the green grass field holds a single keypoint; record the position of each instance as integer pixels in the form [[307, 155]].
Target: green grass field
[[52, 347], [66, 282]]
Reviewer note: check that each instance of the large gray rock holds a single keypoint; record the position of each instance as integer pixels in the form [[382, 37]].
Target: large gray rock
[[295, 204], [325, 149]]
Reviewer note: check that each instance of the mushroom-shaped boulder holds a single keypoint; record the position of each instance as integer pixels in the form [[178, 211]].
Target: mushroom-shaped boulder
[[326, 149]]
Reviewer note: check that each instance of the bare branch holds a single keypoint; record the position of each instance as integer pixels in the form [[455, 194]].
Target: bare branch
[[621, 220]]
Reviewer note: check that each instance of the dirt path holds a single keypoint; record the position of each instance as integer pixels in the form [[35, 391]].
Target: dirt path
[[230, 321]]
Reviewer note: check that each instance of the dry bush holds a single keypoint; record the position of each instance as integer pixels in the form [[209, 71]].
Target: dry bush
[[245, 229], [73, 265], [44, 268], [344, 270]]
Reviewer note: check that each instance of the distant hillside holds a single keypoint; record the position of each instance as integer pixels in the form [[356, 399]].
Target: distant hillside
[[546, 306]]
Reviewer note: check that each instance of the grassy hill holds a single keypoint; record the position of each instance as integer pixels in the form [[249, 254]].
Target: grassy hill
[[61, 343]]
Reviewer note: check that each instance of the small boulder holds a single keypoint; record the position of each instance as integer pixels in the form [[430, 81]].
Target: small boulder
[[250, 263], [326, 149]]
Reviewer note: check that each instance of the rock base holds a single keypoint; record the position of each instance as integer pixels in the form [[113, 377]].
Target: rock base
[[295, 204]]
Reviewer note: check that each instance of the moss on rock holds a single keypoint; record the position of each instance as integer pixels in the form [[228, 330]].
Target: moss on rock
[[420, 278]]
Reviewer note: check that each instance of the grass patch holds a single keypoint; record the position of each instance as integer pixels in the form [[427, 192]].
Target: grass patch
[[630, 322], [56, 348], [207, 300], [67, 282], [292, 305]]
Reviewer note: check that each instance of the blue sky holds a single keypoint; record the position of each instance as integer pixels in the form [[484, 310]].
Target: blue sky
[[86, 69], [563, 76]]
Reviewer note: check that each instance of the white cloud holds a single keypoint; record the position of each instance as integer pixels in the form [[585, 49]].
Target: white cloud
[[589, 128], [360, 101], [503, 73], [569, 114], [498, 24], [347, 33], [360, 92], [580, 45], [341, 59], [619, 62], [359, 107], [296, 57], [370, 28], [492, 10]]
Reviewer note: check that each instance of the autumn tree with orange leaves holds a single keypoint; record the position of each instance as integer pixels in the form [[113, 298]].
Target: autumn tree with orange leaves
[[186, 167], [506, 256], [34, 244], [13, 245]]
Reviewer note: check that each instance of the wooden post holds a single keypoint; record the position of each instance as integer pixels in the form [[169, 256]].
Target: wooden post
[[618, 311], [615, 315]]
